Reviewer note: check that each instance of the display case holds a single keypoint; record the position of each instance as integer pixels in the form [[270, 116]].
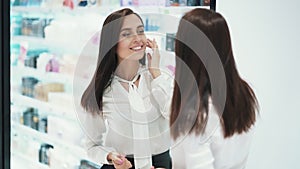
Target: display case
[[48, 38]]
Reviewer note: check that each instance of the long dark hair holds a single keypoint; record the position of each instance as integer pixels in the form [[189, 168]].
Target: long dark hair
[[239, 113], [107, 63]]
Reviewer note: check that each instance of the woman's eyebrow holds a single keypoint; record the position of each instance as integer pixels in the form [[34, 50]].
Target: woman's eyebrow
[[126, 29]]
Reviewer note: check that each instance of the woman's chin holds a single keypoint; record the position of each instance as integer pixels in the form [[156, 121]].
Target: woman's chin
[[137, 56]]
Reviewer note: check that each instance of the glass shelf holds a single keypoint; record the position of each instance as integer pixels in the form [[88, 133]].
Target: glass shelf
[[24, 130], [46, 76], [24, 161], [64, 111], [57, 10], [172, 10]]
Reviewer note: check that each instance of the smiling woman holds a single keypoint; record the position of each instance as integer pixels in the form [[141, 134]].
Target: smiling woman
[[125, 101], [133, 41]]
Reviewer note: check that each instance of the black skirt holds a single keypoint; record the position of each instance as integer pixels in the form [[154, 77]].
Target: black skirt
[[162, 160]]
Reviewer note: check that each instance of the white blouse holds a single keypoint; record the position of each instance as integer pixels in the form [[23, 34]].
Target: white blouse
[[117, 128], [211, 150]]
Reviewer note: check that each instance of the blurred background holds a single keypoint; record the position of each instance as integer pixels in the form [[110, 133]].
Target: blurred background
[[265, 37]]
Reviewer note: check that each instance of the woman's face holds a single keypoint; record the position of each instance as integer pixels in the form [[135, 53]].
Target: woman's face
[[132, 40]]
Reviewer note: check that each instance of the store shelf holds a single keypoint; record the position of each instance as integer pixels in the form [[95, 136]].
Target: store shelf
[[34, 42], [105, 9], [179, 9], [43, 76], [39, 42], [46, 76], [65, 111], [38, 9], [168, 10], [29, 39], [61, 9], [26, 161], [24, 130]]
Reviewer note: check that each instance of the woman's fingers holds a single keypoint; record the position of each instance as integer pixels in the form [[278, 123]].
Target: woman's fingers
[[128, 164], [125, 165], [117, 158], [149, 43], [149, 58], [154, 59], [118, 161], [152, 43]]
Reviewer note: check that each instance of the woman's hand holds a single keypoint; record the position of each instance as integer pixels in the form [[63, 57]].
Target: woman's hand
[[124, 165], [119, 161], [154, 59]]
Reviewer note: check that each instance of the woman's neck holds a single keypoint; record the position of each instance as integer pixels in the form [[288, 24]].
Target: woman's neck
[[127, 69]]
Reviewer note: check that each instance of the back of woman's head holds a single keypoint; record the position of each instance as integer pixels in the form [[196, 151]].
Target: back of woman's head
[[91, 99], [238, 113]]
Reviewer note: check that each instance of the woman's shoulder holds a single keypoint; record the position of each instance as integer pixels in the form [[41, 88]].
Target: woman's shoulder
[[108, 92]]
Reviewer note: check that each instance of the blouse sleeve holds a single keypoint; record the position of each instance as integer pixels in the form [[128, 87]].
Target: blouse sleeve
[[94, 126], [162, 91]]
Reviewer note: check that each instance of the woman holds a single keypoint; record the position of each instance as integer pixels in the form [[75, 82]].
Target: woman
[[125, 101], [213, 109]]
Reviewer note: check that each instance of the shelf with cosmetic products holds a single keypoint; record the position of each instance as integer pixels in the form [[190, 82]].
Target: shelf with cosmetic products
[[56, 11], [65, 111], [44, 137], [23, 161], [168, 10], [30, 39], [172, 10], [44, 150], [42, 75], [75, 37], [41, 43]]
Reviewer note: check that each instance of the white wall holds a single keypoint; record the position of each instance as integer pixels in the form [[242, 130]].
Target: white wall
[[266, 42]]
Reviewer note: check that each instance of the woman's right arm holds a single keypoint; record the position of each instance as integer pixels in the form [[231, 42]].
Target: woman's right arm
[[94, 128]]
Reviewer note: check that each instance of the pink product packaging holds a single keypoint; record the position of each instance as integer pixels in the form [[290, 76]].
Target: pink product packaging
[[152, 3], [47, 62], [144, 3], [52, 65]]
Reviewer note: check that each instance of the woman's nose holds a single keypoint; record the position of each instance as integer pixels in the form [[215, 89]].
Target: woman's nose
[[137, 37]]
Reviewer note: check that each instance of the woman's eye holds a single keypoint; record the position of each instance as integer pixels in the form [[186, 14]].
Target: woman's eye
[[141, 31], [126, 34]]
